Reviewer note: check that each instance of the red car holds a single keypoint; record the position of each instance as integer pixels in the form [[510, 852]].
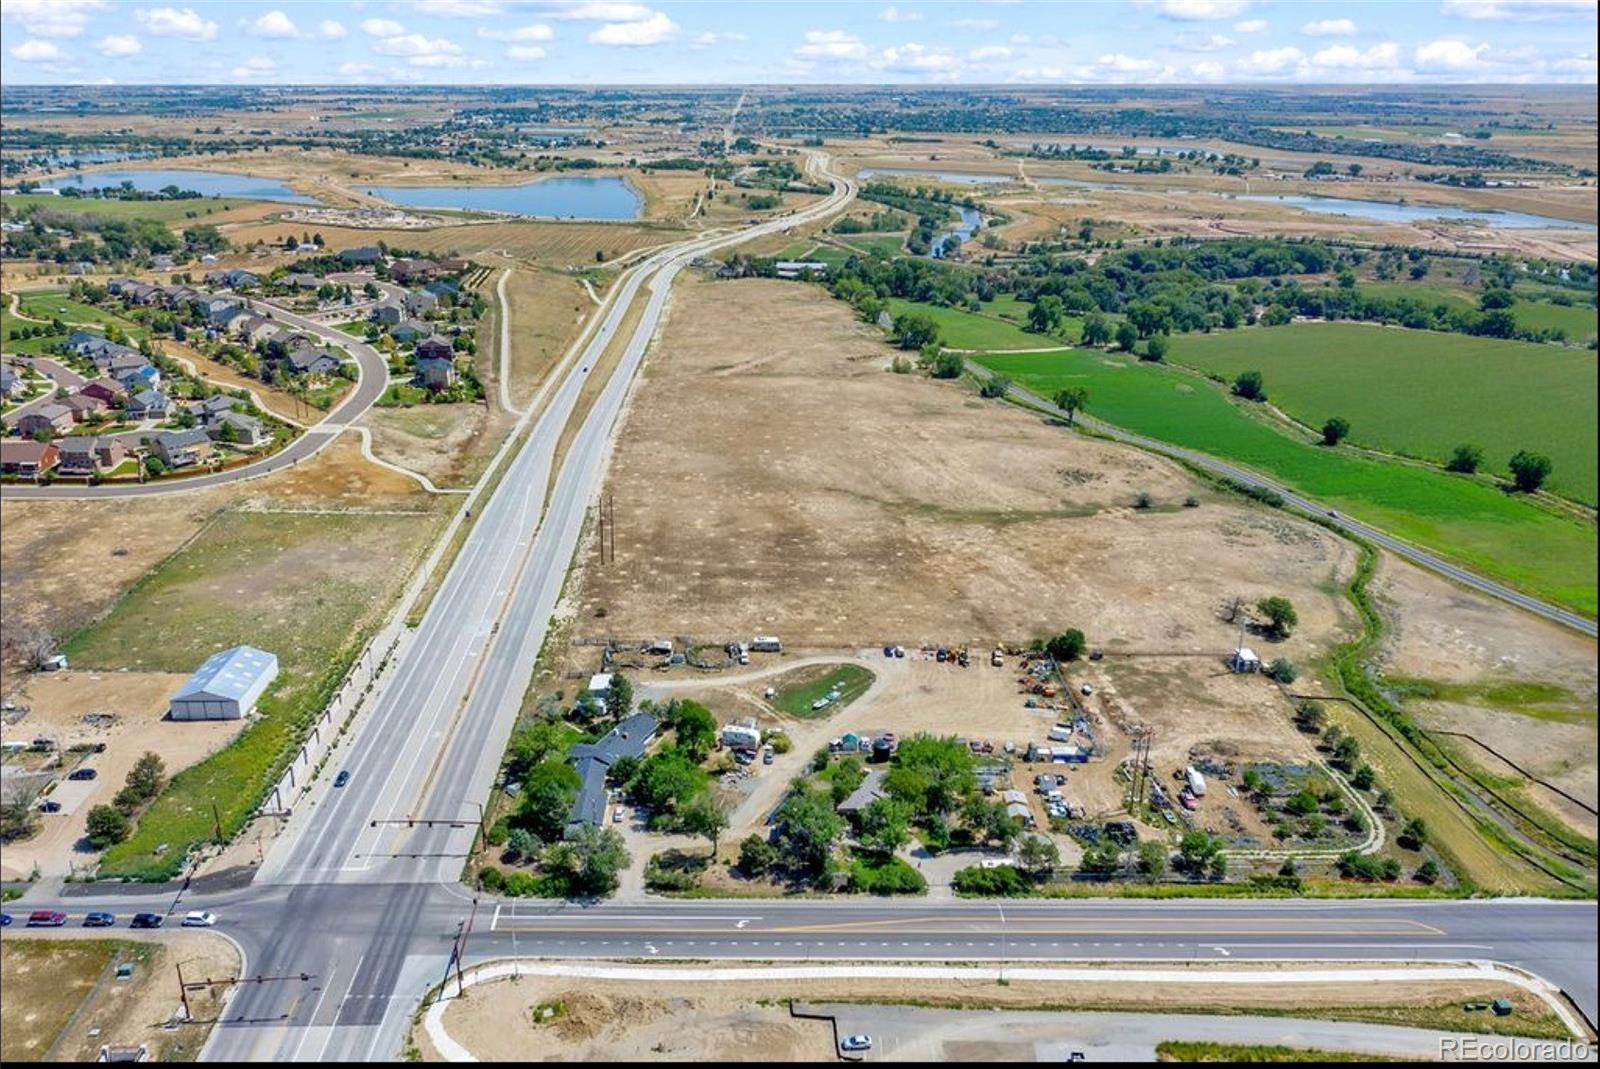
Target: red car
[[46, 918]]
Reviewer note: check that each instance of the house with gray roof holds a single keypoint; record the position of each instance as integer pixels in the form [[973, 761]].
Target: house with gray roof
[[149, 404], [593, 759], [179, 449], [247, 430], [51, 417], [311, 362], [226, 687]]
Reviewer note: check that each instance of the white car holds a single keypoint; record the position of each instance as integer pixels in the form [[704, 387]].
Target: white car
[[199, 919], [855, 1043]]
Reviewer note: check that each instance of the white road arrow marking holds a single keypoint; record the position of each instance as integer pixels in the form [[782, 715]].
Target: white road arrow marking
[[1223, 951], [651, 948]]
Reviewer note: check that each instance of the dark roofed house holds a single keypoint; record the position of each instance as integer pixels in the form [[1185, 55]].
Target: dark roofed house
[[29, 459], [83, 406], [78, 456], [410, 330], [435, 347], [362, 254], [592, 759], [11, 384], [436, 373], [311, 362], [386, 314], [420, 302], [179, 449], [301, 280], [108, 390], [443, 288], [140, 378], [247, 430], [407, 271]]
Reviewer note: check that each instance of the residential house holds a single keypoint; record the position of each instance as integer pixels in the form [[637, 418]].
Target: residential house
[[301, 280], [162, 263], [593, 759], [51, 418], [281, 345], [108, 390], [140, 293], [84, 407], [420, 302], [114, 364], [410, 330], [796, 268], [312, 362], [92, 346], [408, 271], [386, 314], [110, 451], [11, 384], [115, 285], [444, 289], [254, 328], [454, 265], [247, 430], [180, 449], [150, 404], [435, 347], [30, 459], [362, 254], [436, 373], [212, 406], [142, 377], [233, 278], [77, 456], [223, 321]]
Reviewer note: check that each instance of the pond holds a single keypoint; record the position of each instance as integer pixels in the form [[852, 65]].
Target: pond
[[609, 197], [959, 177], [971, 220], [206, 183], [1392, 212]]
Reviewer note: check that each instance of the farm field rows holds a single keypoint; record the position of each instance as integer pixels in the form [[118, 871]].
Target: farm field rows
[[1498, 534], [1387, 382]]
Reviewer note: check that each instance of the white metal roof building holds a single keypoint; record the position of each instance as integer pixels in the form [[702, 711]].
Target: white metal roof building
[[226, 687]]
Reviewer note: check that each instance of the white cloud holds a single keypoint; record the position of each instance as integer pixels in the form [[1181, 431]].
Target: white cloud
[[1251, 25], [537, 31], [331, 30], [894, 14], [1208, 70], [255, 67], [602, 11], [1122, 63], [988, 52], [525, 52], [1449, 55], [651, 31], [1207, 42], [466, 9], [1520, 10], [976, 24], [914, 58], [1329, 28], [416, 46], [1038, 74], [710, 39], [274, 24], [831, 44], [1271, 61], [124, 44], [1196, 10], [1384, 56], [177, 22], [52, 18], [38, 52], [383, 27]]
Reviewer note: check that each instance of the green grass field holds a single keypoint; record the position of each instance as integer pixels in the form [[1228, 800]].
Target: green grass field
[[304, 586], [1577, 320], [165, 211], [882, 244], [968, 330], [795, 699], [1479, 525], [55, 304], [1388, 382]]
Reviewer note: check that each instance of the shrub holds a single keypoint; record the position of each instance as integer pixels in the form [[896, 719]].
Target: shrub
[[885, 876], [106, 826], [1002, 881], [491, 879], [756, 855], [1283, 670]]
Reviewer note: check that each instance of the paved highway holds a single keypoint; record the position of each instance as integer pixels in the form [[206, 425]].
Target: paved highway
[[372, 381], [1372, 534]]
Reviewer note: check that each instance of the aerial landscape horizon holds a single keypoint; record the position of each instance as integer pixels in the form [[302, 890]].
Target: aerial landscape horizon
[[592, 530]]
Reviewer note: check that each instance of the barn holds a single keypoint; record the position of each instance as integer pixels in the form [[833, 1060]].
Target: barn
[[226, 687]]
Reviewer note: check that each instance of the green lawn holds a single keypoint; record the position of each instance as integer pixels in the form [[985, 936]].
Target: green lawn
[[887, 245], [973, 330], [1494, 532], [1389, 382], [55, 304], [1530, 312], [355, 328], [307, 587], [795, 698], [165, 211], [1577, 320]]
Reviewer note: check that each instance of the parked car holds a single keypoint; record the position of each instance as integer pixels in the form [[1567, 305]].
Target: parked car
[[5, 920], [46, 918], [49, 806], [146, 920], [82, 773], [617, 815], [855, 1043], [199, 918], [99, 919], [342, 778]]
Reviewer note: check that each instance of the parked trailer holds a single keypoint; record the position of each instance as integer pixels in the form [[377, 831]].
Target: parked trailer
[[1197, 782], [766, 644]]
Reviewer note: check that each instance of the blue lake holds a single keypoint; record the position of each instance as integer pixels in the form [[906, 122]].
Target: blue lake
[[971, 221], [609, 197], [206, 183], [1391, 212]]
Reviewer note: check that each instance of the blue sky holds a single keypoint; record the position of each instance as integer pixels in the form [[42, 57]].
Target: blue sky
[[411, 42]]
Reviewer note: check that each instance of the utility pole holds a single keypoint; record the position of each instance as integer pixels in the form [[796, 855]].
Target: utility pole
[[462, 951], [612, 498], [183, 992], [216, 821]]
